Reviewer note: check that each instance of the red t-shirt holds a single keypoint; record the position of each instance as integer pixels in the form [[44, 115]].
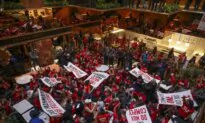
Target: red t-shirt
[[103, 118], [165, 120], [140, 95], [153, 113], [108, 99], [115, 88], [157, 77], [183, 83], [33, 85], [96, 93], [87, 89], [36, 102], [200, 85], [185, 110], [172, 79], [132, 105]]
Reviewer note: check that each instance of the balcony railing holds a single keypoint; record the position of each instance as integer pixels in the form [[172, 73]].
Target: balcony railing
[[19, 39]]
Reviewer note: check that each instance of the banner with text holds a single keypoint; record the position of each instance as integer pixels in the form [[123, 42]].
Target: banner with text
[[75, 70], [50, 82], [49, 105], [96, 78], [138, 115], [145, 76], [174, 98], [201, 25]]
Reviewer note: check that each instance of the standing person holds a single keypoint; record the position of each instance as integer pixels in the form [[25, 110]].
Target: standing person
[[138, 3], [90, 40], [161, 4], [34, 117], [120, 2], [188, 3], [144, 57], [182, 59], [196, 5], [154, 4], [131, 3], [203, 7], [120, 61], [128, 58], [34, 58], [105, 54], [89, 110], [79, 105], [202, 61], [192, 61], [171, 53], [149, 4]]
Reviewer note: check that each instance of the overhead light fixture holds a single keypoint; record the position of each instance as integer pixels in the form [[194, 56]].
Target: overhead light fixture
[[178, 42], [169, 40], [187, 44], [118, 30]]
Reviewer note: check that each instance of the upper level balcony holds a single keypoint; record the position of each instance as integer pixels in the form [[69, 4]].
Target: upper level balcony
[[163, 6]]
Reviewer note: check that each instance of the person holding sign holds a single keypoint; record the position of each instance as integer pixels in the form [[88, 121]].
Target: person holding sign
[[187, 108], [87, 89]]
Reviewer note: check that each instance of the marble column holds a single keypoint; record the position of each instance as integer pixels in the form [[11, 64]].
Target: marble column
[[45, 52]]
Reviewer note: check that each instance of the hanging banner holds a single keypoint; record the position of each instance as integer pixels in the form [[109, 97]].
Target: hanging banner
[[96, 78], [174, 98], [50, 82], [49, 105], [138, 115], [75, 70], [202, 23], [145, 76]]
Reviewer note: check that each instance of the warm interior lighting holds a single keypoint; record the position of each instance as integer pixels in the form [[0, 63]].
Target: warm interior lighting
[[170, 40], [97, 38], [187, 44], [178, 42], [118, 30], [179, 48]]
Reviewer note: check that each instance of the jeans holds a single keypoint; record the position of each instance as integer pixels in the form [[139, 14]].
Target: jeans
[[197, 3], [203, 7], [188, 3]]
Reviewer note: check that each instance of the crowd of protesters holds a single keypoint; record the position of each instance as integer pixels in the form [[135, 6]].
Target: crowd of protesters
[[120, 92]]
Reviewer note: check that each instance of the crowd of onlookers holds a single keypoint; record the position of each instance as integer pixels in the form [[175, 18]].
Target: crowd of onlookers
[[160, 4], [120, 92], [190, 28], [10, 26]]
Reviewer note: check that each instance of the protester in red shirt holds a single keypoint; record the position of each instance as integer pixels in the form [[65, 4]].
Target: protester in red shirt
[[187, 108], [172, 79], [103, 116], [87, 89], [89, 109], [183, 83], [33, 84]]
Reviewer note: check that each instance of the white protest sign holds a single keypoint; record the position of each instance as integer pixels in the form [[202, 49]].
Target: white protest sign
[[145, 76], [96, 78], [174, 98], [75, 70], [50, 82], [138, 115], [49, 105]]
